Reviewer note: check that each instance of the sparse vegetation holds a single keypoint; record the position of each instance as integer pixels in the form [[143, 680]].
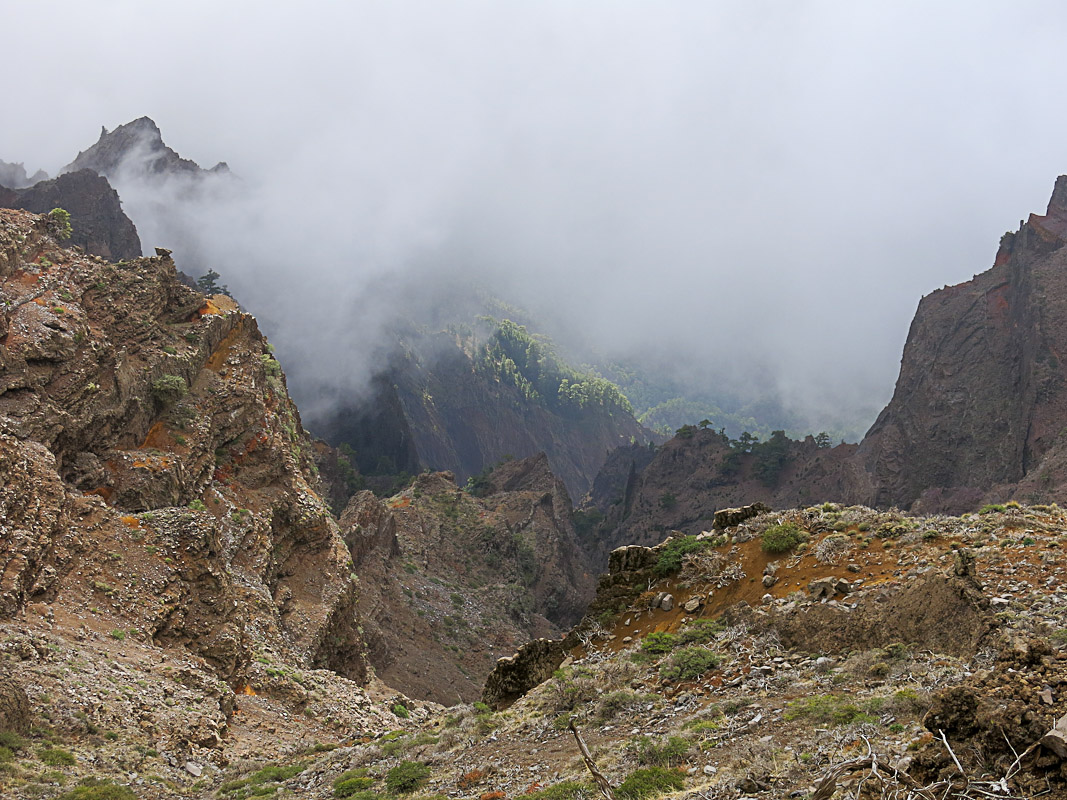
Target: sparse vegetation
[[98, 790], [406, 777], [564, 790], [169, 389], [59, 222], [349, 784], [781, 538], [665, 753], [55, 757], [650, 782], [659, 642], [672, 554], [689, 663], [827, 709]]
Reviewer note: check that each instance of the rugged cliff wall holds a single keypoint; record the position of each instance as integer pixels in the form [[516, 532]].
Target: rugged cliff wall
[[978, 414], [981, 399], [450, 582], [156, 472], [97, 220], [440, 408]]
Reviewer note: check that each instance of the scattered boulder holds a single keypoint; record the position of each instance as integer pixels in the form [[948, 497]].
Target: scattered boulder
[[14, 705], [823, 588], [515, 675], [1056, 739], [732, 517], [826, 587]]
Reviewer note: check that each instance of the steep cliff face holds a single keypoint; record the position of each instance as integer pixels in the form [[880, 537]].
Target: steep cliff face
[[98, 222], [680, 485], [982, 398], [440, 407], [450, 582], [157, 477]]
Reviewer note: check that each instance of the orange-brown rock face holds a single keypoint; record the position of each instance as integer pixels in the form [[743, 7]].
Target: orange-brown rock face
[[155, 470], [450, 582], [981, 400]]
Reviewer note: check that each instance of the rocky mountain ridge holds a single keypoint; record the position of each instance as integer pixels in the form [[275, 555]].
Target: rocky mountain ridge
[[138, 148], [450, 582], [98, 223]]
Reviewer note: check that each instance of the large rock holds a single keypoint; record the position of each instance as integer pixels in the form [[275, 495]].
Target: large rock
[[732, 517], [14, 705], [515, 675]]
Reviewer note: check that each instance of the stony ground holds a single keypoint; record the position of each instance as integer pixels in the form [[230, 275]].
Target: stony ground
[[717, 701]]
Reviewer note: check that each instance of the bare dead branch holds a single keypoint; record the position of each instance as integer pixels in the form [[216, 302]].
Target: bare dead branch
[[598, 777]]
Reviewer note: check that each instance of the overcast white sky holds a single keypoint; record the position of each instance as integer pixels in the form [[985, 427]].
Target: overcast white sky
[[741, 184]]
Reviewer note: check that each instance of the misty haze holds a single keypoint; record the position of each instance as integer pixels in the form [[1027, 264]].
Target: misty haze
[[753, 201]]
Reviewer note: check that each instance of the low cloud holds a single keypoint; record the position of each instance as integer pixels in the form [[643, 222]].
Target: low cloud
[[754, 195]]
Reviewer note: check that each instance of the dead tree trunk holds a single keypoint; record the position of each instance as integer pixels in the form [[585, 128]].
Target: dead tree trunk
[[602, 783]]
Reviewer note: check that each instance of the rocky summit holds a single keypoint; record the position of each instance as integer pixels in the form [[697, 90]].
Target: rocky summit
[[138, 148]]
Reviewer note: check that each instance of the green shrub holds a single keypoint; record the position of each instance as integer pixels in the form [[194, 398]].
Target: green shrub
[[572, 687], [611, 704], [270, 365], [781, 538], [55, 757], [827, 709], [276, 774], [992, 508], [169, 389], [700, 631], [98, 790], [658, 642], [349, 784], [406, 777], [401, 711], [59, 221], [670, 557], [910, 702], [689, 663], [650, 782], [663, 753], [11, 740]]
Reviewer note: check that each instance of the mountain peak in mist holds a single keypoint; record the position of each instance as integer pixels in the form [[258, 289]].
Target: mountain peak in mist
[[137, 147], [13, 176]]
